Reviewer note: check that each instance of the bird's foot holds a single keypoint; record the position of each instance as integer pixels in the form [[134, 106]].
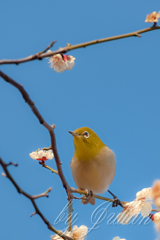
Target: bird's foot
[[89, 193], [88, 198], [116, 201]]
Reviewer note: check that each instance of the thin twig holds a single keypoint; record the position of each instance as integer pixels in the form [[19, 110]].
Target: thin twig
[[70, 210], [45, 50], [94, 195], [10, 163], [47, 126], [33, 214], [4, 175], [42, 194], [32, 199], [86, 193], [100, 197], [76, 46], [45, 166]]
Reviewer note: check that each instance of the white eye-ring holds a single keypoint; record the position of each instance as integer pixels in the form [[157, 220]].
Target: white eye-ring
[[86, 134]]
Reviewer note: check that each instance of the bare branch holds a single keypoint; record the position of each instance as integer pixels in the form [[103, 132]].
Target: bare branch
[[70, 210], [100, 197], [33, 57], [47, 126], [42, 194], [33, 214], [45, 50], [32, 199], [74, 190], [10, 163], [94, 195], [4, 175], [76, 46], [45, 166]]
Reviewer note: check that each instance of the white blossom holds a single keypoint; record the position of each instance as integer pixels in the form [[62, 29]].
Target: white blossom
[[130, 209], [144, 193], [62, 62], [156, 219], [139, 205], [118, 238], [41, 155], [153, 17], [156, 193], [76, 233]]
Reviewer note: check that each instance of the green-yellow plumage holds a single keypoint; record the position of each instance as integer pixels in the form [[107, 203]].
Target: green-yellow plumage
[[93, 164]]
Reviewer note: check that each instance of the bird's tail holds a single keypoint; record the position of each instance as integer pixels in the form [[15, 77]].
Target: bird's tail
[[85, 200]]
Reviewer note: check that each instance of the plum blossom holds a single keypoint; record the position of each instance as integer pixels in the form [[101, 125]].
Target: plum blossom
[[41, 155], [144, 193], [76, 233], [118, 238], [61, 62], [156, 219], [129, 210], [153, 17], [156, 193], [139, 205]]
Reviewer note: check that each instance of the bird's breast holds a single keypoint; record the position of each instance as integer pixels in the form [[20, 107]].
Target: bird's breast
[[97, 173]]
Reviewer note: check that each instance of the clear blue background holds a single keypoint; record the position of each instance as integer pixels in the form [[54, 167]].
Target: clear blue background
[[113, 89]]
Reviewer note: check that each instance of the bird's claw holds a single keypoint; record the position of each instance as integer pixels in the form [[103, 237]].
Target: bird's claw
[[86, 198], [89, 193], [116, 202]]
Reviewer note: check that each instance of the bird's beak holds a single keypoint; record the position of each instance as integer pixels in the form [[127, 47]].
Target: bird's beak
[[73, 133]]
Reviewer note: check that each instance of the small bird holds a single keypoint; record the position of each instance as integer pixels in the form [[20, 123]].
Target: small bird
[[93, 164]]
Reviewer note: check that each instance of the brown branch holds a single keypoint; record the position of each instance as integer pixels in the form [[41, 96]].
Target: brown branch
[[74, 190], [100, 197], [33, 214], [32, 57], [45, 166], [42, 194], [4, 175], [47, 126], [10, 163], [76, 46], [32, 199], [45, 50], [94, 195], [70, 210]]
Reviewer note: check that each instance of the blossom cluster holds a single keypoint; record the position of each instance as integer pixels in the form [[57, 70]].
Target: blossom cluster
[[118, 238], [143, 204], [41, 155], [61, 62], [153, 17], [76, 233], [139, 205], [156, 193]]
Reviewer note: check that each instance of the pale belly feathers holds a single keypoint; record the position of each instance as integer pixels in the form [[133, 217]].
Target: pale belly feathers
[[95, 174]]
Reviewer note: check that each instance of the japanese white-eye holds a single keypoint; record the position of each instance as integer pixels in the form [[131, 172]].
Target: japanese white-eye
[[93, 164]]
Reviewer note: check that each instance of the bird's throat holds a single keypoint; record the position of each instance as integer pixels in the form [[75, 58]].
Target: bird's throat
[[86, 152]]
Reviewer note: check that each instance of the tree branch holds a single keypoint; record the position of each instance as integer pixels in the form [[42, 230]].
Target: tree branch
[[45, 50], [42, 194], [70, 210], [47, 126], [94, 195], [45, 166], [32, 199], [74, 190], [69, 47]]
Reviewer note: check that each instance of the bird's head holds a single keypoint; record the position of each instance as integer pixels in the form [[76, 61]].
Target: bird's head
[[87, 143]]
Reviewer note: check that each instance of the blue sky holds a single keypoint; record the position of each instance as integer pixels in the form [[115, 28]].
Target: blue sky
[[113, 89]]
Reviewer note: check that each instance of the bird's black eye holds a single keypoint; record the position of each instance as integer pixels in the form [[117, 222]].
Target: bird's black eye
[[86, 134]]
